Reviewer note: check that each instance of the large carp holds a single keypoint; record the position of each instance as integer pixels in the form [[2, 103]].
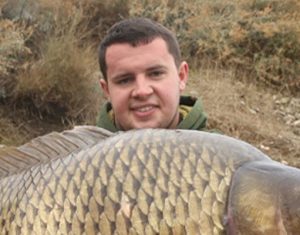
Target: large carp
[[145, 182]]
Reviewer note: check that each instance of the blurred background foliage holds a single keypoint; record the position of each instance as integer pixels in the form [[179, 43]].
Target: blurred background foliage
[[48, 50]]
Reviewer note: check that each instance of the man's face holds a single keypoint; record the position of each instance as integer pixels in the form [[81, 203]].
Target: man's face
[[144, 85]]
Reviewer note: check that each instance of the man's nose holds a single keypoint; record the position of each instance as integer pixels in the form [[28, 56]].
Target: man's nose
[[142, 87]]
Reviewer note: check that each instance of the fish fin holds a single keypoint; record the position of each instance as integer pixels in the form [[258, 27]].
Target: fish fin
[[261, 200]]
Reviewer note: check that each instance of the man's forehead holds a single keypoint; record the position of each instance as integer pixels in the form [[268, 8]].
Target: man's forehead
[[126, 51]]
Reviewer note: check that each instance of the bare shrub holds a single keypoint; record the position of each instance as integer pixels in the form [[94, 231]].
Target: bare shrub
[[62, 83], [262, 38], [13, 54]]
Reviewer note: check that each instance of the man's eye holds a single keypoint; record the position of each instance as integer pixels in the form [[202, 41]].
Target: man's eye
[[156, 73], [123, 81]]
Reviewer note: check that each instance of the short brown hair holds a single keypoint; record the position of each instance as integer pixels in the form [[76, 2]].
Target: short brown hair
[[137, 31]]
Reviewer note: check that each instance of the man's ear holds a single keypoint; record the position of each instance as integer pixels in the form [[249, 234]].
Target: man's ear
[[183, 75], [104, 87]]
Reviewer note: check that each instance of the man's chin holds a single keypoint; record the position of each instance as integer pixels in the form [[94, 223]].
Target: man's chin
[[146, 126]]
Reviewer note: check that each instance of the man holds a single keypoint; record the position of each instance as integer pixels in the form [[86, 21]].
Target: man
[[143, 78]]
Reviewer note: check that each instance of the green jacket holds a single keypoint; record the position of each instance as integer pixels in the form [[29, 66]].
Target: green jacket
[[192, 116]]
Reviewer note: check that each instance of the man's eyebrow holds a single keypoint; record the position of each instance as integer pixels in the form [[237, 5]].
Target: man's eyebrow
[[121, 75], [155, 67]]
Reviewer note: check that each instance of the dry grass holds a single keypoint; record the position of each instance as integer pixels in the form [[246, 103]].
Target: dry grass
[[244, 111], [221, 91], [10, 133]]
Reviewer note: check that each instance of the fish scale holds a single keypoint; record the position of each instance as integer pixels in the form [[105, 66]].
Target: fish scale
[[138, 182]]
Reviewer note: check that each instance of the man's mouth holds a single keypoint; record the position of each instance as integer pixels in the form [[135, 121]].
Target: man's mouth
[[144, 109]]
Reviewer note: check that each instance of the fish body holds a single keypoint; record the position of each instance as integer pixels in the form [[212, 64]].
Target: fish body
[[151, 182]]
